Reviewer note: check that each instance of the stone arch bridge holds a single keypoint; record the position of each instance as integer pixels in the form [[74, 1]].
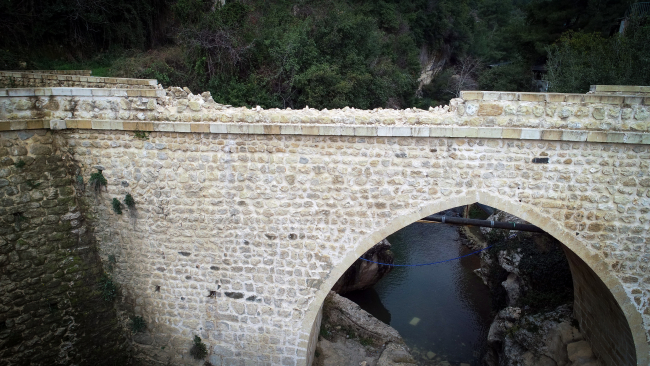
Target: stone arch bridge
[[245, 218]]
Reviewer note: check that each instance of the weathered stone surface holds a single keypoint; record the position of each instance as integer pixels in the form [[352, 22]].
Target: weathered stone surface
[[341, 352], [396, 354], [346, 313], [217, 195], [38, 149], [542, 339], [51, 312], [362, 274], [579, 350], [490, 110], [143, 338], [346, 323]]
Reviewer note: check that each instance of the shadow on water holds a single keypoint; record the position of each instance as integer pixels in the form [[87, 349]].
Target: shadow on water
[[370, 301], [443, 309]]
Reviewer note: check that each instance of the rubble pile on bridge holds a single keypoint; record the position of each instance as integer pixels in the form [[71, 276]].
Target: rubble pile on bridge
[[134, 104]]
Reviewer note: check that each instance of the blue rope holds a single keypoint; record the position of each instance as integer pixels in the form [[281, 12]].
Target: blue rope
[[426, 264]]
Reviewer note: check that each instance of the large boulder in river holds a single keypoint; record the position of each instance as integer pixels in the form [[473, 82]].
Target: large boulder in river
[[349, 336], [345, 313], [362, 274]]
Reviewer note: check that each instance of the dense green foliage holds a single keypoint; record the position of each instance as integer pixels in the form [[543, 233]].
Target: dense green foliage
[[138, 324], [543, 267], [282, 54], [89, 24], [547, 20], [97, 181], [117, 206], [579, 60], [513, 76], [129, 201], [328, 53]]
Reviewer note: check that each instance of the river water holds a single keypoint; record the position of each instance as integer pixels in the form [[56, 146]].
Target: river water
[[442, 309]]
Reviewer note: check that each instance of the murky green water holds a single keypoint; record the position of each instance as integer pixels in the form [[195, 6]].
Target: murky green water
[[444, 308]]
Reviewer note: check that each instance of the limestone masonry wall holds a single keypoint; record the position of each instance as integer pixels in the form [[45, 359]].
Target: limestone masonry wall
[[238, 238], [596, 310], [51, 312], [245, 218]]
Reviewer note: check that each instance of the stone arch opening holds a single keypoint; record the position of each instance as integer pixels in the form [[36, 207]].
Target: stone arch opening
[[598, 293]]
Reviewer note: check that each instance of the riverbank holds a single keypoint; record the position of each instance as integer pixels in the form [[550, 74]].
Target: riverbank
[[351, 336], [532, 294]]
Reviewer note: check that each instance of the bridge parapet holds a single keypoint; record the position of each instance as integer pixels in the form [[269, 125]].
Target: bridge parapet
[[620, 90], [60, 72], [546, 116], [19, 79]]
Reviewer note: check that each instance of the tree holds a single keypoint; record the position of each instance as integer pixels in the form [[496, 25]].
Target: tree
[[465, 76], [547, 20], [580, 59]]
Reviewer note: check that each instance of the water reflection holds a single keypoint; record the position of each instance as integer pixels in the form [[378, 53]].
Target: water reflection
[[442, 309]]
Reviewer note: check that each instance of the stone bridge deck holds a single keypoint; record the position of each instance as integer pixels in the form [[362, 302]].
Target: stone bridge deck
[[246, 217]]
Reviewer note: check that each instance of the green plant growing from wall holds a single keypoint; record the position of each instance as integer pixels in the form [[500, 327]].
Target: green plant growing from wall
[[19, 218], [199, 350], [117, 206], [108, 288], [142, 135], [129, 201], [20, 164], [138, 324], [97, 181], [32, 185], [111, 262], [81, 185]]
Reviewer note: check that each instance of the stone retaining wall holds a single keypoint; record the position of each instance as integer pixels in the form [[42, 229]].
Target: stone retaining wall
[[51, 309]]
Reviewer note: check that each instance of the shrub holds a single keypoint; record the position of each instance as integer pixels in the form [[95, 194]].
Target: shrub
[[117, 206], [199, 350], [129, 201], [97, 181], [509, 77], [107, 288], [111, 262], [138, 324], [142, 135]]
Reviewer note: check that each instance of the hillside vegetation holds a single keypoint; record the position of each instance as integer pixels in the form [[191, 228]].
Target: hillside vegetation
[[332, 53]]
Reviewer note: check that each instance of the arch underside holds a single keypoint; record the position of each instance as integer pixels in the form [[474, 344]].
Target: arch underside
[[595, 263]]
